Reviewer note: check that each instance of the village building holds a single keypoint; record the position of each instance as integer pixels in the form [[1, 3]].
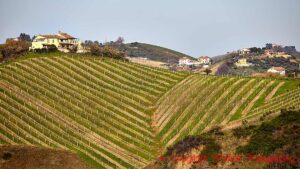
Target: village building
[[242, 63], [277, 70], [204, 60], [185, 61], [62, 41], [282, 55], [269, 52], [244, 51]]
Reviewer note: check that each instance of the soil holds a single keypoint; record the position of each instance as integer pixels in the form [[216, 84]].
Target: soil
[[29, 157]]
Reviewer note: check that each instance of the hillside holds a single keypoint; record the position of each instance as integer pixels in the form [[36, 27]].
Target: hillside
[[29, 157], [116, 114], [152, 52], [272, 143]]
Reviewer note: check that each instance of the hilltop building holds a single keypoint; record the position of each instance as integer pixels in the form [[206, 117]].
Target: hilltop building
[[277, 70], [204, 60], [62, 41], [271, 54], [272, 46], [242, 63], [185, 61], [244, 51]]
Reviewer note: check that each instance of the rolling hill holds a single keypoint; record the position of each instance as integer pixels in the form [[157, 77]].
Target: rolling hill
[[152, 52], [116, 114]]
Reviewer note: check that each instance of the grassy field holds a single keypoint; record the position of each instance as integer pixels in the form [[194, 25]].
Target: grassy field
[[117, 114]]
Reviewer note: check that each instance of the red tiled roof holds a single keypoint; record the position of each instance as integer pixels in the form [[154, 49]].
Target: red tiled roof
[[204, 57], [60, 35], [51, 36], [67, 36], [279, 68]]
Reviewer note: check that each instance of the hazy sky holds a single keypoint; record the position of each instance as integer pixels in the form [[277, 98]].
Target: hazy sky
[[194, 27]]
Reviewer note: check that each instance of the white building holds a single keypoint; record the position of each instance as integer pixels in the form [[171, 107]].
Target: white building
[[277, 70], [204, 60], [244, 51], [185, 61]]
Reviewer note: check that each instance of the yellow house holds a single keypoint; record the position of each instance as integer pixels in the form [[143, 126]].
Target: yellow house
[[242, 63], [61, 40]]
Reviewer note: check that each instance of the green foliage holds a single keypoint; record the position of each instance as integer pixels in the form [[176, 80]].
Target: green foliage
[[262, 139], [287, 86], [211, 147], [49, 49], [243, 131]]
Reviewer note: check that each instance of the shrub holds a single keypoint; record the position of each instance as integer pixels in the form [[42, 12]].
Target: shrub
[[50, 48], [6, 156], [267, 138], [106, 51], [73, 49], [13, 48]]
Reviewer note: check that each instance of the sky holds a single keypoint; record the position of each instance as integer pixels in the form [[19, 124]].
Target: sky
[[193, 27]]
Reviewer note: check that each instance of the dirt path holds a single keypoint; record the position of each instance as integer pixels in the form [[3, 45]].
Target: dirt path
[[233, 111], [217, 102], [202, 94], [181, 99], [250, 105], [215, 68], [274, 91]]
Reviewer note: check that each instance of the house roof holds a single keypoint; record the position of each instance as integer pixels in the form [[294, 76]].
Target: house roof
[[51, 36], [65, 35], [278, 68], [204, 57], [60, 35]]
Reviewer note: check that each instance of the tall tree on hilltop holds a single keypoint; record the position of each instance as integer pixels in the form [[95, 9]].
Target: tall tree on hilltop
[[24, 37]]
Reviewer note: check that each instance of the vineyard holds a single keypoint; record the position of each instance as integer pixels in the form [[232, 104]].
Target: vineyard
[[115, 114]]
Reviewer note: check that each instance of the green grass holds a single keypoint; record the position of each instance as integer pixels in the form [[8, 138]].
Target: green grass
[[287, 86], [263, 141]]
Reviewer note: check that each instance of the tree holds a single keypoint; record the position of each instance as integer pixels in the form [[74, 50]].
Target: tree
[[120, 40], [73, 49], [24, 37], [207, 71], [95, 49], [255, 50], [1, 56], [106, 51], [14, 48], [96, 42]]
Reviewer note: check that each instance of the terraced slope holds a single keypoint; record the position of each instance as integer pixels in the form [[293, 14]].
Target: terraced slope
[[99, 108], [122, 115], [198, 103]]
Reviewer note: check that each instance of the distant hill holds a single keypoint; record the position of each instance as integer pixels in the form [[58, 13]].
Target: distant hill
[[152, 52]]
